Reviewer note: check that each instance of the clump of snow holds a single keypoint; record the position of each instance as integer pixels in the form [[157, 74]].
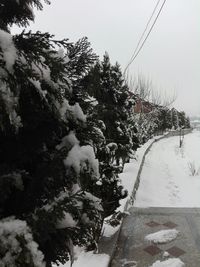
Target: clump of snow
[[11, 247], [174, 262], [166, 254], [80, 157], [99, 132], [98, 183], [112, 146], [91, 100], [68, 141], [37, 85], [162, 236], [8, 48], [11, 103], [67, 110], [75, 188], [67, 221], [43, 73], [50, 206]]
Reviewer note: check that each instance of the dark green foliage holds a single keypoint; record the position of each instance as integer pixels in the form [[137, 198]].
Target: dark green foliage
[[113, 108], [18, 12], [39, 113]]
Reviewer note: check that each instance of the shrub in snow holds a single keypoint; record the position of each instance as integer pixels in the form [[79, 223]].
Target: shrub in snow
[[47, 161], [114, 107]]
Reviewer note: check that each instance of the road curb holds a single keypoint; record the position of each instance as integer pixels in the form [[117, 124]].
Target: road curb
[[107, 245]]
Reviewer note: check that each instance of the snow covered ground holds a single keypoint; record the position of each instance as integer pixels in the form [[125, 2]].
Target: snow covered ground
[[166, 180], [128, 178], [171, 175]]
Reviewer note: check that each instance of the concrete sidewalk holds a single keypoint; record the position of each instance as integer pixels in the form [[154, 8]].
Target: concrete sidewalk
[[132, 250]]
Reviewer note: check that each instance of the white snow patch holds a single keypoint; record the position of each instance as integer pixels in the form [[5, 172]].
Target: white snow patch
[[174, 262], [8, 49], [10, 231], [67, 110], [88, 259], [11, 102], [37, 85], [166, 166], [81, 156], [166, 254], [162, 236], [128, 178], [68, 141], [67, 221]]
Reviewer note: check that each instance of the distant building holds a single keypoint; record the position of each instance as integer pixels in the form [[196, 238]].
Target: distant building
[[142, 106]]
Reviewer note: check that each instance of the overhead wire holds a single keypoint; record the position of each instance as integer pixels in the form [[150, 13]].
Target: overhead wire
[[143, 33], [135, 53]]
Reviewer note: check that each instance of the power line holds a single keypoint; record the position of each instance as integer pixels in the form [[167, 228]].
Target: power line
[[146, 27], [150, 30]]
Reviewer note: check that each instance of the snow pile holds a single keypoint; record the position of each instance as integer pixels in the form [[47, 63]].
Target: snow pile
[[168, 263], [166, 254], [162, 236], [16, 240], [8, 49], [80, 157]]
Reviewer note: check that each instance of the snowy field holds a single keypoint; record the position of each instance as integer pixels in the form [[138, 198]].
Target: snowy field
[[171, 175]]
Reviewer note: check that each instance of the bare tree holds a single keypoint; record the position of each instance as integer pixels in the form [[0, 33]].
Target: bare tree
[[145, 90]]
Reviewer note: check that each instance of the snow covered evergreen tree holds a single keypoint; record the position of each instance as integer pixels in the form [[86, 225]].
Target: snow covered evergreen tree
[[47, 166], [175, 119], [164, 119], [113, 111]]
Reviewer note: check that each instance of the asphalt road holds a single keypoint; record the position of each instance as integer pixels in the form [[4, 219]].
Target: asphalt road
[[133, 251]]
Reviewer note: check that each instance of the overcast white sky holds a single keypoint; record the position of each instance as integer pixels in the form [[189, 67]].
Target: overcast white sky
[[171, 55]]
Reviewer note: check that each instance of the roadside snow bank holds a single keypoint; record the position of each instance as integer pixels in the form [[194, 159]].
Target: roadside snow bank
[[166, 179], [128, 180], [88, 259]]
